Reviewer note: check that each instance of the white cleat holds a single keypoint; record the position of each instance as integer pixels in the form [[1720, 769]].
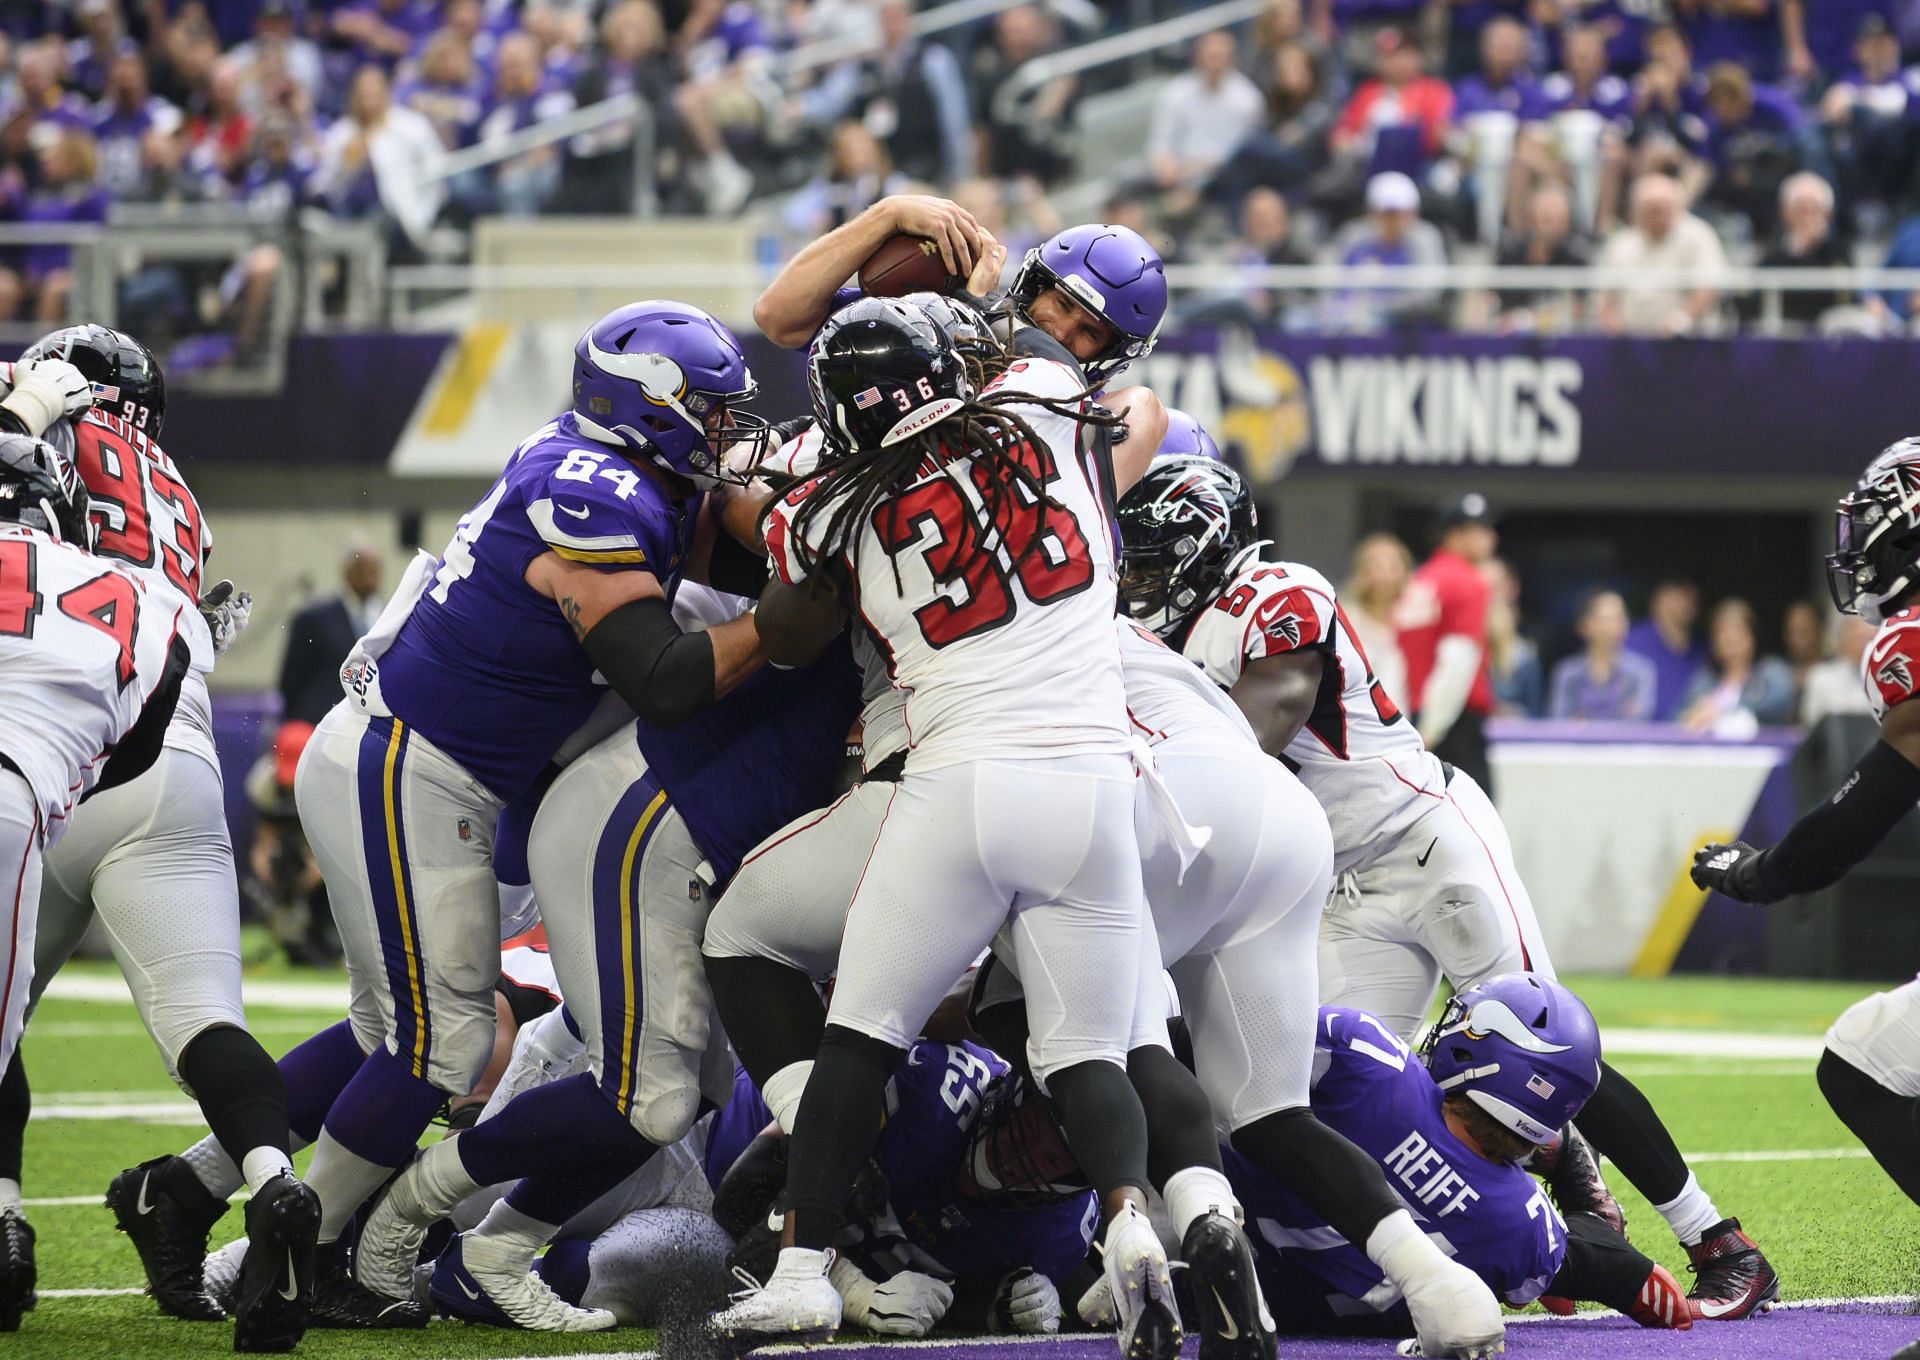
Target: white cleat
[[494, 1275], [220, 1274], [1142, 1288], [798, 1303], [1455, 1315], [389, 1245]]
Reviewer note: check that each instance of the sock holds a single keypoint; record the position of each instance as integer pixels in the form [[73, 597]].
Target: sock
[[557, 1196], [836, 1128], [16, 1104], [1689, 1213], [771, 1012], [1194, 1193], [314, 1073], [372, 1128], [217, 1172], [567, 1267], [562, 1124], [9, 1193], [1886, 1121], [1341, 1184], [783, 1091], [1621, 1124], [440, 1178], [1104, 1124], [243, 1097], [1180, 1126], [506, 1226], [1401, 1250]]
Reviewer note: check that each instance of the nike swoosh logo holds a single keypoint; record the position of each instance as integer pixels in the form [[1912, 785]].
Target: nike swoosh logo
[[473, 1294], [581, 513], [1713, 1308], [1230, 1331], [292, 1291], [1422, 861], [399, 1303], [140, 1205]]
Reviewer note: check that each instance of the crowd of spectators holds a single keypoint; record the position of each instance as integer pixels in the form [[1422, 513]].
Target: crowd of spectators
[[1709, 675], [1670, 135]]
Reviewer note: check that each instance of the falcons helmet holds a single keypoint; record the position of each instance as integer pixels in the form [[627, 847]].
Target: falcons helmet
[[1876, 535], [1184, 527]]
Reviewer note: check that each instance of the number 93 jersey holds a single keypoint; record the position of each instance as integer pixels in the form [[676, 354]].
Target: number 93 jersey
[[997, 660], [485, 667], [1355, 753], [83, 645]]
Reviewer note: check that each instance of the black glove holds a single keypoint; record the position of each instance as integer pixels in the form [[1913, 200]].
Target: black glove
[[1732, 870]]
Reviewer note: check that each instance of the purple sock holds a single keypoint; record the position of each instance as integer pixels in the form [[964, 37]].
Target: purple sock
[[316, 1072], [556, 1196], [559, 1126], [381, 1114]]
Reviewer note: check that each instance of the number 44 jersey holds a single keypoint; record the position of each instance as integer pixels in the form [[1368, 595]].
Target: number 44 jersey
[[83, 645], [1356, 753], [1001, 652]]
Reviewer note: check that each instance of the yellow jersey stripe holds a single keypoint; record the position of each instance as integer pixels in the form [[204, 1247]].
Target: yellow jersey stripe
[[390, 791], [629, 908], [598, 558]]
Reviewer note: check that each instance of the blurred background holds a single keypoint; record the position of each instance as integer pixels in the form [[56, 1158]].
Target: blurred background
[[1639, 272]]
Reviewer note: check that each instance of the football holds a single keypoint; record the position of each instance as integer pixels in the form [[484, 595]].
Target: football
[[905, 264]]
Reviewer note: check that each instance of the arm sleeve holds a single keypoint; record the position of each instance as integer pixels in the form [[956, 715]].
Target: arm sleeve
[[735, 568], [665, 675], [1830, 839]]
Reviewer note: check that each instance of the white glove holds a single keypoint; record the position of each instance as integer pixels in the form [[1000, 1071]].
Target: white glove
[[227, 612], [909, 1304], [47, 390], [1025, 1301]]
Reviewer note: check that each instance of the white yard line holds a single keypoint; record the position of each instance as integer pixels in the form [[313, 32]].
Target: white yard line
[[142, 1112], [278, 994]]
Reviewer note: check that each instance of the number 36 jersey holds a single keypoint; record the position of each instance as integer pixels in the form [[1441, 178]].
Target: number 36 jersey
[[1355, 753], [997, 659], [83, 645]]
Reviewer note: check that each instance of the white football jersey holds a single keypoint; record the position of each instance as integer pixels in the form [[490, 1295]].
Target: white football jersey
[[1169, 697], [1357, 754], [151, 524], [995, 660], [83, 644]]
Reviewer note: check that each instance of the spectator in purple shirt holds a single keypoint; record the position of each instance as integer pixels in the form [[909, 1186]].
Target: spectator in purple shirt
[[1754, 141], [1489, 108], [1745, 32], [382, 31], [1666, 638], [1866, 119], [1818, 35], [446, 88], [1623, 24], [102, 35], [1391, 236], [69, 192], [1603, 682], [42, 107], [1467, 20], [1581, 138], [522, 96], [123, 120]]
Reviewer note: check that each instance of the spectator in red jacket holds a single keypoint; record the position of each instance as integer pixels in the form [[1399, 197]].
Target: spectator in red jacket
[[1396, 120], [1442, 619]]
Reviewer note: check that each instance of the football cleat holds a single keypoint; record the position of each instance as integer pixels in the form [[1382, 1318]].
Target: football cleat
[[1137, 1273], [1571, 1170], [1732, 1280], [389, 1243], [1234, 1324], [167, 1214], [275, 1288], [342, 1303], [480, 1279], [798, 1303], [221, 1274], [1455, 1314], [1661, 1303], [18, 1274]]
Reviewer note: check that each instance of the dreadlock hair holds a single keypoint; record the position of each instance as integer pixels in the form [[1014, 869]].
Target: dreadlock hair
[[982, 441]]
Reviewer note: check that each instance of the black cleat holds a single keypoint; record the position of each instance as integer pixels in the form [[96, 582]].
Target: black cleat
[[341, 1303], [275, 1289], [1571, 1169], [1233, 1321], [17, 1273], [1732, 1280], [168, 1214]]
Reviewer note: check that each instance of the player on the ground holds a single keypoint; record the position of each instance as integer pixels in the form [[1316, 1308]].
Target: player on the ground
[[91, 662], [630, 845], [1438, 893], [1870, 1072], [153, 860], [971, 526], [557, 585]]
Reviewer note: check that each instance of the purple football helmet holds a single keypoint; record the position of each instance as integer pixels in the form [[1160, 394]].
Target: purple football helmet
[[664, 380], [1113, 273], [1522, 1047], [1185, 438]]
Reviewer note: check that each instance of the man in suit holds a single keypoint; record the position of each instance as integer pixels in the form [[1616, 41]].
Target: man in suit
[[320, 636]]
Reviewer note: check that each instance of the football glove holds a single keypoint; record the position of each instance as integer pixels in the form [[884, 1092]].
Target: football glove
[[1025, 1301], [47, 390], [227, 612], [1732, 870], [909, 1304]]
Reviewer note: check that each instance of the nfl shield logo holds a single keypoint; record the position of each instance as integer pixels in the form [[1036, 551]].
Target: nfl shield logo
[[1540, 1086], [465, 829], [862, 400]]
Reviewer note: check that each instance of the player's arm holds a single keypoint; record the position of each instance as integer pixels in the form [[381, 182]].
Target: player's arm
[[796, 622], [728, 551], [1276, 693], [800, 296], [1143, 425], [1834, 836], [626, 628]]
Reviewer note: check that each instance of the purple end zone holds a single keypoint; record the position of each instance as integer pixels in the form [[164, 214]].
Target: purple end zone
[[1842, 1332]]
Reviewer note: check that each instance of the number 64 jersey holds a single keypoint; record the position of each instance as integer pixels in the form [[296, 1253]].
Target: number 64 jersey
[[1355, 753], [83, 646]]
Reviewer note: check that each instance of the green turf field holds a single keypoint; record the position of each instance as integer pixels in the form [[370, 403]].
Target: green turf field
[[1768, 1151]]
